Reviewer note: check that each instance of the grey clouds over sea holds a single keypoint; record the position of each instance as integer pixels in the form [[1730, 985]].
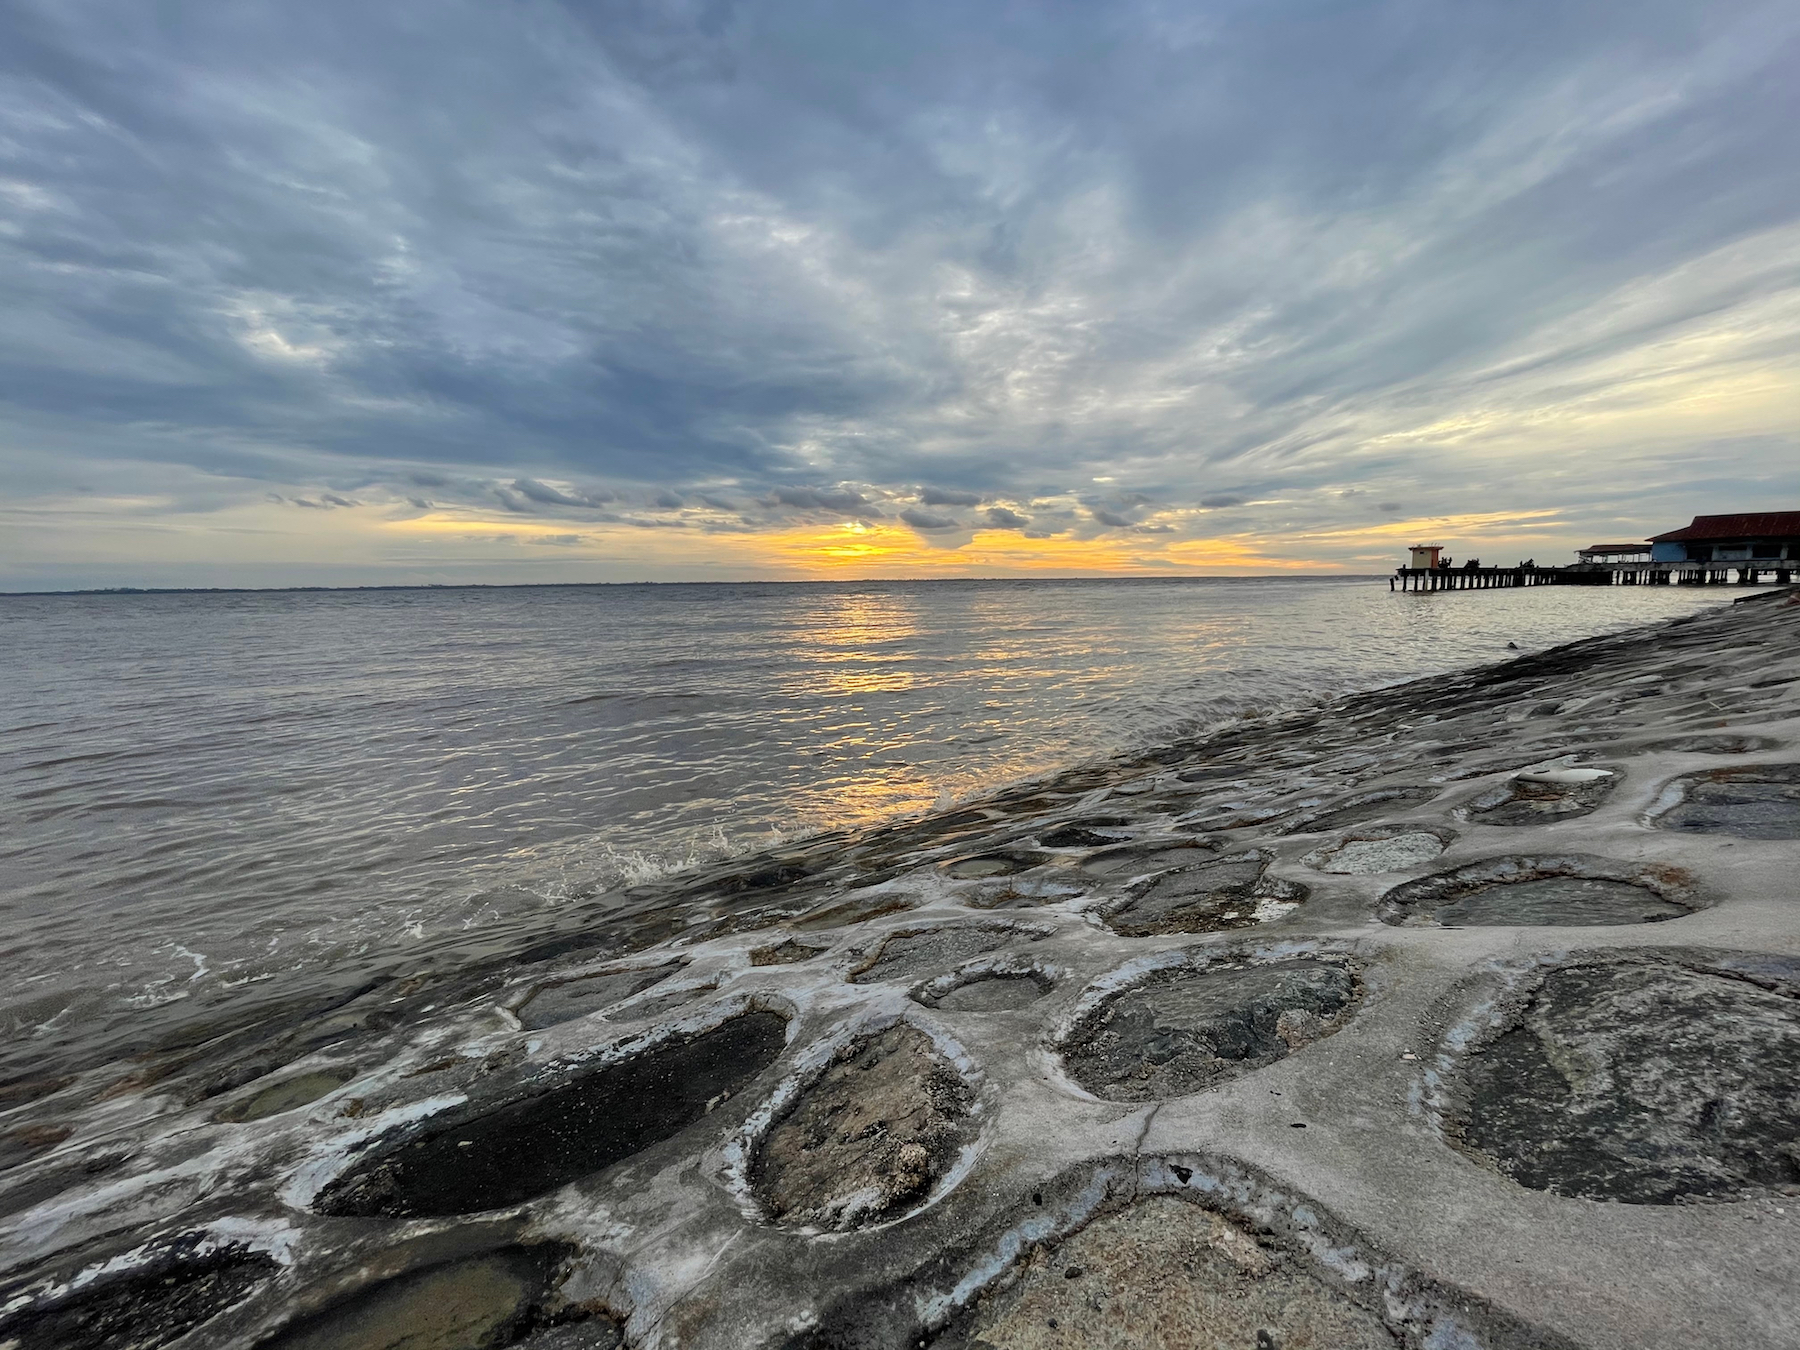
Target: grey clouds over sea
[[470, 291]]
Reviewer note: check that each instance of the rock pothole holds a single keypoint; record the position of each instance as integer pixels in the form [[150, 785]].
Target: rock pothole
[[912, 952], [288, 1095], [1212, 1017], [1209, 897], [867, 1138], [148, 1305], [559, 1001], [1003, 864], [1756, 801], [1356, 810], [1141, 859], [1647, 1079], [1560, 890], [991, 987], [1542, 797], [1380, 848], [486, 1301], [1166, 1274], [507, 1154]]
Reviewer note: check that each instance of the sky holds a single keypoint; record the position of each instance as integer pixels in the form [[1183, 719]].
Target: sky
[[515, 291]]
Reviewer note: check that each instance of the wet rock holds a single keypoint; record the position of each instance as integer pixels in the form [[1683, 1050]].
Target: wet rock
[[564, 1000], [510, 1153], [1005, 989], [1211, 897], [994, 865], [487, 1301], [1387, 848], [1355, 810], [907, 954], [1758, 801], [287, 1095], [1642, 1080], [1570, 890], [1083, 834], [1140, 859], [1542, 797], [1713, 743], [24, 1142], [1186, 1029], [857, 909], [1168, 1275], [868, 1138], [149, 1305], [784, 953]]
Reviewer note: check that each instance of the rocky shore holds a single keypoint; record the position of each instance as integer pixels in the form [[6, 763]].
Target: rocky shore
[[1459, 1014]]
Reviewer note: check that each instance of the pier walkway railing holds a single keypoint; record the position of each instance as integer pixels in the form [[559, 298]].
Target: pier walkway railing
[[1743, 573]]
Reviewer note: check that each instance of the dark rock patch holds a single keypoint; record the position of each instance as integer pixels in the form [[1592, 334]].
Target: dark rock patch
[[784, 953], [483, 1302], [1542, 798], [511, 1153], [1642, 1080], [868, 1138], [147, 1306], [1211, 897], [288, 1095], [1758, 801], [855, 910], [563, 1001], [907, 954], [1184, 1030], [1563, 890], [1083, 834]]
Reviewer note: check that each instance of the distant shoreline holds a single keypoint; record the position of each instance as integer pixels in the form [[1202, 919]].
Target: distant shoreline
[[588, 585]]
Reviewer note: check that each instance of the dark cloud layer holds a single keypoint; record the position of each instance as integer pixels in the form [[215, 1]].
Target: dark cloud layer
[[735, 265]]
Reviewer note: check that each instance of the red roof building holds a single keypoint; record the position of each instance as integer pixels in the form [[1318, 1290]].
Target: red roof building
[[1769, 535]]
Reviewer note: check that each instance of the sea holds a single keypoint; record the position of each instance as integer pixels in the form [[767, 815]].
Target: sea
[[206, 795]]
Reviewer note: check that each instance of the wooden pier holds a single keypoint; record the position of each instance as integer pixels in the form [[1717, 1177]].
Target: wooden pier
[[1429, 579]]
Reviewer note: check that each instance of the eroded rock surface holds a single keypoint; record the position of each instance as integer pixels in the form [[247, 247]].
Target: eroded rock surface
[[1362, 807], [141, 1308], [868, 1138], [904, 955], [1183, 1030], [1168, 1275], [551, 1004], [1211, 897], [1567, 890], [1383, 849], [487, 1301], [1642, 1080], [1760, 801], [524, 1148], [1543, 797], [288, 1095]]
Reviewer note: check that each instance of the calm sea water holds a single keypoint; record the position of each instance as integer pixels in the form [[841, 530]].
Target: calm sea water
[[214, 791]]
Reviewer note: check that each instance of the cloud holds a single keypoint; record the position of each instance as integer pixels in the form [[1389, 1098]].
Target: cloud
[[1002, 519], [543, 493], [837, 499], [944, 497], [746, 260], [925, 521]]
